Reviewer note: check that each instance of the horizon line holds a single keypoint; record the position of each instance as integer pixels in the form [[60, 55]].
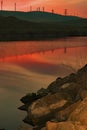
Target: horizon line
[[43, 12]]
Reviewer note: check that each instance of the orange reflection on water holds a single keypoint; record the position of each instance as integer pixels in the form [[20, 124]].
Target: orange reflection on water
[[76, 56]]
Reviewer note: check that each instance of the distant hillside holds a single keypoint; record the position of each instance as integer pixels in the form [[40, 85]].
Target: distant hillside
[[39, 25], [37, 16]]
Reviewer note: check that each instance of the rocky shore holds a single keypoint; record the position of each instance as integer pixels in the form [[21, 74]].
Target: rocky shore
[[62, 106]]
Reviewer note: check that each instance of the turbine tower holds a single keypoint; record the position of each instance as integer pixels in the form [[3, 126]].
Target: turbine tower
[[30, 8], [38, 9], [43, 9], [15, 6], [2, 5], [52, 11], [65, 12]]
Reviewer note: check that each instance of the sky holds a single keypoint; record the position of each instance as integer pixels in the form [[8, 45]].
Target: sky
[[74, 7]]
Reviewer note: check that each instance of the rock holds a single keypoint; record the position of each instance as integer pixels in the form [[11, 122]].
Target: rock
[[79, 78], [24, 107], [66, 85], [83, 94], [64, 114], [51, 125], [76, 121], [65, 126], [42, 92], [43, 109], [80, 113], [44, 128], [25, 127], [72, 89], [63, 100], [29, 98]]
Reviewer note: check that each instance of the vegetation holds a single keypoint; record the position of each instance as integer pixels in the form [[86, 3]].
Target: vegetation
[[13, 28]]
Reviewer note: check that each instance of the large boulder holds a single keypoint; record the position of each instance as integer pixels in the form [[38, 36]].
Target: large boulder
[[64, 114], [44, 109], [68, 125], [80, 113], [76, 121]]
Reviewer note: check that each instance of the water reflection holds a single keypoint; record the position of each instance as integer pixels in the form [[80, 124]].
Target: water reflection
[[27, 66], [50, 60], [21, 48]]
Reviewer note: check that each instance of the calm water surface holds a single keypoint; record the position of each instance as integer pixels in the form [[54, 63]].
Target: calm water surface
[[28, 66]]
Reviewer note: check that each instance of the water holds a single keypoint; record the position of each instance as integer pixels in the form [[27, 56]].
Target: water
[[28, 66]]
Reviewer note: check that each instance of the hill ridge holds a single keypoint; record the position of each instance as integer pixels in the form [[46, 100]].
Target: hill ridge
[[38, 16]]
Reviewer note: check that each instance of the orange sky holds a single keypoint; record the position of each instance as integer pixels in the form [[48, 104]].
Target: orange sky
[[75, 7]]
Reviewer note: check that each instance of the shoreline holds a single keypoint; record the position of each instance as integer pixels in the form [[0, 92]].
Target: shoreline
[[34, 37], [57, 102]]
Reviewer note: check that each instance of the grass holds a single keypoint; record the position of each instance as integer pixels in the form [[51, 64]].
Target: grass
[[12, 28]]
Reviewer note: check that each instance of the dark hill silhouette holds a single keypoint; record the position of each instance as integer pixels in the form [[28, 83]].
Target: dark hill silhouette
[[40, 25], [38, 16]]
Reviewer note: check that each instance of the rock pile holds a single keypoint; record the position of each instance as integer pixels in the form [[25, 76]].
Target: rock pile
[[62, 106], [77, 119]]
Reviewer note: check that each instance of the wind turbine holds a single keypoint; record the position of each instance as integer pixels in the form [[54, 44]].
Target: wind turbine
[[15, 6], [30, 8], [1, 4], [43, 9], [65, 12], [52, 11]]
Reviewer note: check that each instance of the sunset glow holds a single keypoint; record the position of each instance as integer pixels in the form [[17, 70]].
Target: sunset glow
[[75, 7], [49, 60]]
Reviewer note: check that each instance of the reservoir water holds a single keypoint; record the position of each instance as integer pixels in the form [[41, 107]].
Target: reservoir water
[[26, 66]]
